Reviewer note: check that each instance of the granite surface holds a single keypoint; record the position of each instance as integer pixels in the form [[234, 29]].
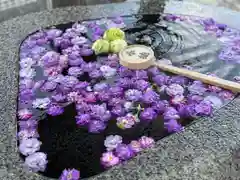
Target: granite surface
[[209, 149]]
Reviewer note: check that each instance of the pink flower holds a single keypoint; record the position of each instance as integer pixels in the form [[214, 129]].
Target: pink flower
[[146, 142], [174, 89], [226, 95], [179, 99], [108, 159], [24, 114]]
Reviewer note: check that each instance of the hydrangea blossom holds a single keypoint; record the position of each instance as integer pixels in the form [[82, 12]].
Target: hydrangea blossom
[[112, 141], [133, 95], [29, 146], [83, 119]]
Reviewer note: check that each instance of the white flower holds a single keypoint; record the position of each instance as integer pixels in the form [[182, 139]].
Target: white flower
[[128, 106], [26, 134], [29, 146], [112, 141], [41, 103], [36, 162], [27, 73], [27, 63], [108, 71]]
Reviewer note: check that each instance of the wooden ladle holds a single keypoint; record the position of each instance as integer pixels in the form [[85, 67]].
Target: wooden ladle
[[142, 57]]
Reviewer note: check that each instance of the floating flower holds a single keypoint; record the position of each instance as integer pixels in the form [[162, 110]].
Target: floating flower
[[127, 121], [125, 83], [78, 40], [133, 95], [27, 63], [83, 107], [29, 146], [74, 97], [154, 71], [192, 99], [24, 114], [114, 34], [135, 146], [41, 103], [204, 108], [100, 86], [53, 33], [100, 112], [70, 174], [171, 113], [174, 90], [197, 87], [51, 58], [90, 97], [142, 85], [178, 99], [116, 91], [117, 45], [59, 97], [101, 46], [148, 114], [159, 107], [83, 119], [36, 162], [112, 141], [95, 74], [27, 133], [69, 81], [161, 79], [108, 159], [96, 126], [173, 126], [108, 71], [226, 95], [76, 61], [27, 125], [118, 110], [27, 73], [181, 80], [49, 86], [75, 71], [150, 97], [128, 106], [124, 152], [146, 142], [79, 28], [55, 110]]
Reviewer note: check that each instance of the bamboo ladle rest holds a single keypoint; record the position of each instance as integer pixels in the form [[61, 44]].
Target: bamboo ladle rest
[[142, 57]]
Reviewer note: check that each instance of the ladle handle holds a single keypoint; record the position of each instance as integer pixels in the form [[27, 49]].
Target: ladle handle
[[233, 86]]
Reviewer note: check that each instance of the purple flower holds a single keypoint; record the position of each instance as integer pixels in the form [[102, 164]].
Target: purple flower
[[192, 99], [95, 74], [125, 72], [69, 81], [178, 99], [26, 83], [27, 133], [78, 40], [26, 125], [128, 106], [51, 58], [36, 162], [103, 96], [133, 95], [116, 101], [116, 91], [107, 71], [41, 103], [150, 97], [204, 108], [173, 126], [146, 142], [197, 87], [63, 61], [100, 86], [79, 28], [124, 152], [141, 74], [90, 97], [174, 89], [100, 112], [27, 63], [148, 114], [83, 119], [24, 114], [26, 94], [75, 71], [55, 110], [159, 107], [27, 73], [118, 110], [135, 146], [126, 122], [214, 89], [161, 79], [29, 146], [74, 97], [96, 126], [171, 113], [113, 57], [57, 79], [59, 97], [70, 174], [108, 159], [53, 33], [86, 51], [49, 86], [76, 61], [214, 100], [226, 95], [141, 85], [125, 83], [81, 86], [89, 67], [112, 141], [83, 107], [187, 111], [154, 71], [181, 80]]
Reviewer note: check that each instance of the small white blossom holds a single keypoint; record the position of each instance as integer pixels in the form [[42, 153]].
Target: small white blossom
[[128, 106], [27, 63], [108, 71], [112, 141], [29, 146], [36, 162], [41, 103]]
